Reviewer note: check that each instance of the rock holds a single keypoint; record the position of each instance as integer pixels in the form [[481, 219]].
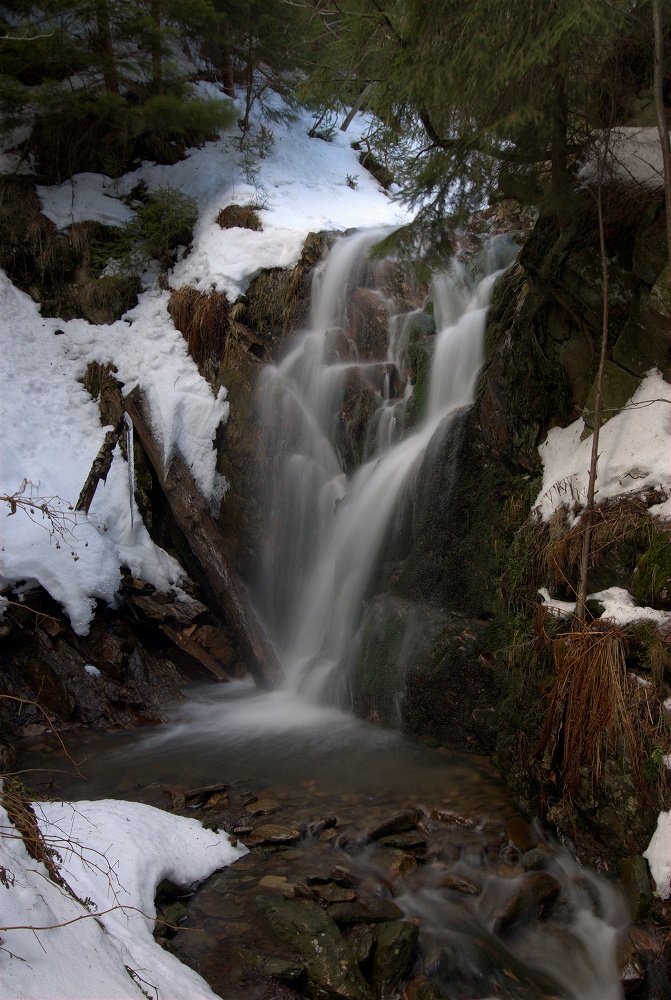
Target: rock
[[329, 961], [404, 842], [219, 906], [519, 832], [317, 827], [618, 388], [339, 875], [394, 951], [332, 893], [397, 863], [273, 833], [361, 939], [262, 807], [369, 322], [272, 966], [205, 794], [273, 881], [420, 988], [394, 824], [650, 252], [452, 819], [535, 860], [532, 893], [367, 909], [449, 881], [636, 884]]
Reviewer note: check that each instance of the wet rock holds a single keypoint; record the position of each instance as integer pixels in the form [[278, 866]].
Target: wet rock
[[532, 893], [339, 875], [317, 827], [273, 966], [399, 823], [420, 988], [369, 322], [329, 961], [404, 842], [397, 863], [636, 884], [219, 906], [467, 886], [452, 819], [332, 893], [207, 795], [262, 807], [472, 964], [273, 833], [367, 909], [361, 939], [394, 951], [535, 860], [520, 833], [273, 882]]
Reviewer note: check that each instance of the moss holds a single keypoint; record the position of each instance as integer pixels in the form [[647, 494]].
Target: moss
[[651, 579]]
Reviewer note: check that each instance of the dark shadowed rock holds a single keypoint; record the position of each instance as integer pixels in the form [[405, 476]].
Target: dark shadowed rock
[[394, 952]]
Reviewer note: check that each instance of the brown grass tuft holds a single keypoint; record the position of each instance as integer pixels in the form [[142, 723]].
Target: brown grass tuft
[[203, 320]]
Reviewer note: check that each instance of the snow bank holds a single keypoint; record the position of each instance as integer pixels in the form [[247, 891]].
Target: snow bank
[[634, 157], [619, 607], [634, 450], [115, 854], [658, 855], [52, 433], [84, 198]]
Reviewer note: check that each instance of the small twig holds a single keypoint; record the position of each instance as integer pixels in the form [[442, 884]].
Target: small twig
[[101, 913]]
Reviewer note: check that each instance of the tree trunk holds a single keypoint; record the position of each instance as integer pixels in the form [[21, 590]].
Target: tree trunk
[[100, 468], [662, 124], [156, 48], [110, 75], [580, 610], [204, 539]]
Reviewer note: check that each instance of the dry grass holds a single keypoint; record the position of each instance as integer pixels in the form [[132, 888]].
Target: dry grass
[[204, 322], [239, 217]]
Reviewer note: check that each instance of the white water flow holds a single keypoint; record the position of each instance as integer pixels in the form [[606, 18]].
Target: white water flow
[[328, 530]]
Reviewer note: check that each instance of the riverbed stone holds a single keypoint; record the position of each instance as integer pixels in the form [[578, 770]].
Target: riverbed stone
[[394, 951], [330, 964], [400, 823], [273, 833], [636, 884], [531, 895], [367, 909]]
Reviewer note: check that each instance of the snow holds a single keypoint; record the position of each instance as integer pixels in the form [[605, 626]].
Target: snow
[[81, 199], [619, 607], [634, 449], [51, 427], [634, 156], [658, 855], [114, 854]]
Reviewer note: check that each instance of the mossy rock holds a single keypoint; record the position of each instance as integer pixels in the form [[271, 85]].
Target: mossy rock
[[645, 340], [651, 579], [618, 387]]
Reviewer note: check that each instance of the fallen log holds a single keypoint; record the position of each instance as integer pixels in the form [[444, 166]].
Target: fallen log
[[100, 467], [200, 530]]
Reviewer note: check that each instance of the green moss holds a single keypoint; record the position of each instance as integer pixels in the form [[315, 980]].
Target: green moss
[[651, 579]]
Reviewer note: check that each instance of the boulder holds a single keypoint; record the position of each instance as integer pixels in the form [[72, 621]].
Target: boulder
[[330, 964]]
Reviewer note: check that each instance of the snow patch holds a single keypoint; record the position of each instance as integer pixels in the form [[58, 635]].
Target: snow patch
[[114, 854]]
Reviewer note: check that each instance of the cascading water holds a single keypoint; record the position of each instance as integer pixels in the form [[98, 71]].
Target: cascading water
[[328, 529]]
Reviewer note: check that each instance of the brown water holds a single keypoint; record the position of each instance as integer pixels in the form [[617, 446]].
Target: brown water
[[329, 777]]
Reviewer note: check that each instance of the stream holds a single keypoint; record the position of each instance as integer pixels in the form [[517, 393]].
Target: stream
[[429, 874]]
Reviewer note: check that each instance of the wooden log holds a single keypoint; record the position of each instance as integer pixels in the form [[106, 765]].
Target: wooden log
[[204, 539], [100, 467]]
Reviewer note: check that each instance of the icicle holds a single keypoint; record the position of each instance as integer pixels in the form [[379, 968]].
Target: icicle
[[131, 467]]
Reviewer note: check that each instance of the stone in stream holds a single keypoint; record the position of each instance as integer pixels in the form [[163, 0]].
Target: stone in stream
[[394, 951], [421, 988], [397, 863], [369, 909], [520, 833], [404, 841], [330, 964], [400, 823], [449, 881], [262, 807], [530, 896], [332, 893], [339, 875], [452, 819], [361, 939], [273, 833]]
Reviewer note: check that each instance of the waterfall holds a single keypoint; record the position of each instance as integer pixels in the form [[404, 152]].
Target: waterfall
[[328, 528]]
